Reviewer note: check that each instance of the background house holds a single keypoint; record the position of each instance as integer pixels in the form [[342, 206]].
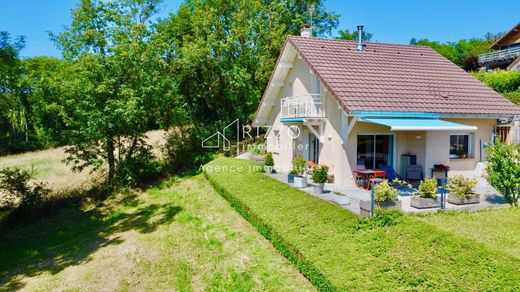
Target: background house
[[507, 54]]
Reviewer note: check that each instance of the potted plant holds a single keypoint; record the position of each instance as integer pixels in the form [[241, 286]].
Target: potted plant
[[427, 195], [461, 191], [290, 176], [461, 153], [319, 177], [268, 162], [385, 196], [298, 165]]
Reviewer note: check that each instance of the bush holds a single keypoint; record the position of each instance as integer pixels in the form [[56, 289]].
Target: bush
[[298, 165], [139, 169], [319, 175], [269, 159], [258, 149], [504, 170], [428, 188], [17, 192], [461, 187], [182, 150], [383, 192]]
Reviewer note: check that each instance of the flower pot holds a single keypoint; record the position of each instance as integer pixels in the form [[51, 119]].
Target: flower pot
[[389, 205], [300, 182], [318, 188], [290, 178], [453, 199], [268, 169], [424, 203]]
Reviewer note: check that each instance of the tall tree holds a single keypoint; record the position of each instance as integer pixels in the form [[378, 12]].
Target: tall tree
[[14, 106], [112, 85], [223, 52]]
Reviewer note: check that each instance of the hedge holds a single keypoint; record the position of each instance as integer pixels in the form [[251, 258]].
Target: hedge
[[337, 250]]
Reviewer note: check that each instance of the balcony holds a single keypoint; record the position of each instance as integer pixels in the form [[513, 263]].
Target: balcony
[[302, 106], [502, 57]]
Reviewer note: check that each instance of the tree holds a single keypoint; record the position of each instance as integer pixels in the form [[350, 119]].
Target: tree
[[353, 36], [223, 52], [14, 106], [504, 170], [113, 86], [463, 52]]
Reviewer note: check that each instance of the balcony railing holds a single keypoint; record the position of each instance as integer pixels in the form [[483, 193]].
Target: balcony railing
[[502, 56], [302, 106]]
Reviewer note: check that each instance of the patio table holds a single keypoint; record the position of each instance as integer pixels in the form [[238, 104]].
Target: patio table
[[365, 176]]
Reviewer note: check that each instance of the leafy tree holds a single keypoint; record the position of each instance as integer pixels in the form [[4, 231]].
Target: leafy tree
[[14, 106], [463, 52], [113, 86], [504, 170], [223, 52], [353, 36], [502, 81]]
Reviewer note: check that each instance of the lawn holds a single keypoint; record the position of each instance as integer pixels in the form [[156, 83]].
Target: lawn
[[336, 249], [180, 235], [499, 229]]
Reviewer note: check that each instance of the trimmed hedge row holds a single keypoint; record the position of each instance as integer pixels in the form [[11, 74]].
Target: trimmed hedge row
[[337, 250]]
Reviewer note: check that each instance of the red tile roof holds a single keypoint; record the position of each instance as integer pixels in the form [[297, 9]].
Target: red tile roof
[[397, 78]]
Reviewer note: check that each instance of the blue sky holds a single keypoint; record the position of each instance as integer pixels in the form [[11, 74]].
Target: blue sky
[[389, 21]]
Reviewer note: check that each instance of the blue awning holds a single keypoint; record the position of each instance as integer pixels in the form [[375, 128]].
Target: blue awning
[[419, 124]]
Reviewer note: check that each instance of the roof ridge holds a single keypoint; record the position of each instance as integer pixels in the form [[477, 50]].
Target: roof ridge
[[355, 42]]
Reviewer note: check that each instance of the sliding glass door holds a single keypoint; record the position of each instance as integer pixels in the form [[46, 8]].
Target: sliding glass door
[[375, 150]]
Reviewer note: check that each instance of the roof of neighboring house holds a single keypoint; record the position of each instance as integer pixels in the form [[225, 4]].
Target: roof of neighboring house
[[510, 37], [397, 78]]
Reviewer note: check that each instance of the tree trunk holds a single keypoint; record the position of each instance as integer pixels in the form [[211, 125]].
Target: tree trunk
[[111, 160]]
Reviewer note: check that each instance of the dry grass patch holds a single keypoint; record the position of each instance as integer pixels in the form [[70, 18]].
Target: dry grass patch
[[180, 236]]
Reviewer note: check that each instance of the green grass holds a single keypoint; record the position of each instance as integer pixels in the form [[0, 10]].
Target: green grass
[[499, 229], [336, 249], [177, 236]]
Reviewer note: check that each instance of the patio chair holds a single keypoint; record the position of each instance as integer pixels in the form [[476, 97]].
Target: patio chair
[[379, 176], [357, 177], [414, 174], [390, 172]]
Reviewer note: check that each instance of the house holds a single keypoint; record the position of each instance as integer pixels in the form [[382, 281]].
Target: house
[[342, 104], [506, 54]]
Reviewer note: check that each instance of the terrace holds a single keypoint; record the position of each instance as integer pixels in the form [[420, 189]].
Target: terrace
[[351, 197]]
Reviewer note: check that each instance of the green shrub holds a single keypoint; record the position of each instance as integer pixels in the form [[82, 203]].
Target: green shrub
[[385, 217], [461, 187], [182, 150], [269, 159], [383, 192], [504, 170], [258, 149], [386, 253], [319, 174], [298, 165], [17, 191], [428, 188]]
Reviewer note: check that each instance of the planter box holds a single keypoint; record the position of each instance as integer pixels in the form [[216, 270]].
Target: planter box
[[290, 178], [300, 182], [422, 203], [365, 206], [268, 169], [318, 188], [452, 199]]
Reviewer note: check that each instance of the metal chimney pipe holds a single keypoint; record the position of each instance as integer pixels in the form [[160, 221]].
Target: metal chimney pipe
[[361, 46]]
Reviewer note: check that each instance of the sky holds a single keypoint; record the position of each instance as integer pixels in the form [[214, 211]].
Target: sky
[[389, 21]]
